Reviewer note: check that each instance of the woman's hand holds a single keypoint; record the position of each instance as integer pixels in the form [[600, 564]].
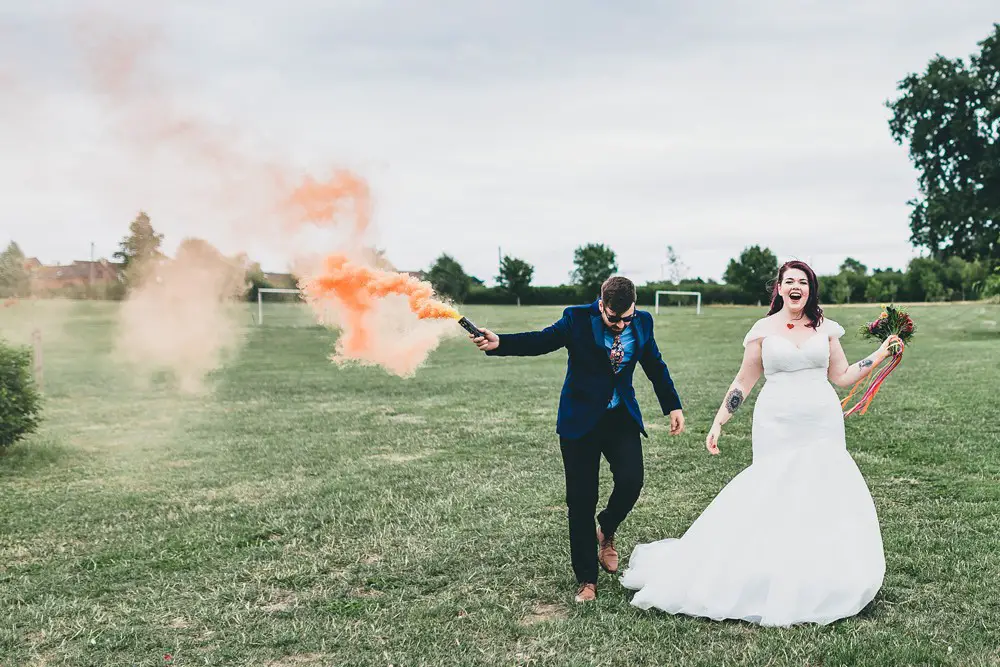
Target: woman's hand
[[712, 441], [892, 345]]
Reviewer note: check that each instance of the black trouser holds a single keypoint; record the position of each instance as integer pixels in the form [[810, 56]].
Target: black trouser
[[617, 437]]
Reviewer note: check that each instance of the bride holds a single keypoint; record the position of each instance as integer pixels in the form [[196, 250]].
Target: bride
[[793, 538]]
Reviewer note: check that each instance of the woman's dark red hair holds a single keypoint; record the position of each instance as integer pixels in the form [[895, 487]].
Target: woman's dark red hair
[[812, 309]]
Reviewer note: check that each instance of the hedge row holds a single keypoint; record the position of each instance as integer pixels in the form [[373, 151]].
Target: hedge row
[[562, 295]]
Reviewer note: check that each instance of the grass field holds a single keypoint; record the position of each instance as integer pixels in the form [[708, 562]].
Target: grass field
[[303, 514]]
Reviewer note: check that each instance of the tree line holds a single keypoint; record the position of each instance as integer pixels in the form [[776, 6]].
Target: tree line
[[747, 280]]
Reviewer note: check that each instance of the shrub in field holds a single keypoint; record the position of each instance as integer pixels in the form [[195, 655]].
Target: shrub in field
[[991, 287], [20, 402]]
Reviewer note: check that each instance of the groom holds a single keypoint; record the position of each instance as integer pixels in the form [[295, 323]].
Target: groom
[[598, 413]]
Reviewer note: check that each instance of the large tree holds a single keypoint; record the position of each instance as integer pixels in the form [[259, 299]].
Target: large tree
[[449, 278], [885, 286], [950, 116], [852, 265], [752, 272], [515, 276], [594, 263], [991, 285], [923, 280], [856, 275], [140, 245], [14, 278]]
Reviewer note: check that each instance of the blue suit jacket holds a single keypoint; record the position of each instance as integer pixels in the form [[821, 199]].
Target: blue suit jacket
[[590, 380]]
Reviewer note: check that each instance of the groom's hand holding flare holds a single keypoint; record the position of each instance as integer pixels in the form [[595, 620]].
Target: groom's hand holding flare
[[488, 342]]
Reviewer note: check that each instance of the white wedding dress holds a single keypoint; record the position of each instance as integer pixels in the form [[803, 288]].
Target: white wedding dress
[[793, 538]]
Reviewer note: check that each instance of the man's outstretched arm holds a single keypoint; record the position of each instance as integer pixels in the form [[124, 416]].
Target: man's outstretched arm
[[527, 344]]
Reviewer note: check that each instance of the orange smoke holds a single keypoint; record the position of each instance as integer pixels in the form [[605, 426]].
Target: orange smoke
[[358, 286], [363, 297], [318, 203]]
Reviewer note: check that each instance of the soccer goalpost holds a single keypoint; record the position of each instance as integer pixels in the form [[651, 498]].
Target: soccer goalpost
[[697, 294], [273, 290]]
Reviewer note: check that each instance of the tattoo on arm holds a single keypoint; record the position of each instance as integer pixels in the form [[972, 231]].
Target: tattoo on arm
[[865, 363], [734, 400]]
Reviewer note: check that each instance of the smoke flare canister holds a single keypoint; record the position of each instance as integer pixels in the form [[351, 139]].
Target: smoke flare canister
[[470, 327]]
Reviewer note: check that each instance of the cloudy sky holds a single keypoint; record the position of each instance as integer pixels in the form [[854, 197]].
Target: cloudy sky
[[529, 126]]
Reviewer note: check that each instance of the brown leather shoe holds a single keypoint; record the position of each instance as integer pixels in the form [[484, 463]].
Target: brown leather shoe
[[607, 556], [586, 593]]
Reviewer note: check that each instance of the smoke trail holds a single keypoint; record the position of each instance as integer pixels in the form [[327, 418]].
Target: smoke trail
[[321, 203], [182, 318], [388, 318]]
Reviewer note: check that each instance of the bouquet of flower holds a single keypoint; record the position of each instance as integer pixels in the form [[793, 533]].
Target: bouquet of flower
[[892, 322]]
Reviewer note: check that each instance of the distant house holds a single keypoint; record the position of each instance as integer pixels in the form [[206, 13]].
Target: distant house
[[419, 275], [31, 264], [78, 274]]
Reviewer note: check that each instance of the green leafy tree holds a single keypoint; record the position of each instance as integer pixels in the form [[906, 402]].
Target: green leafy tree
[[14, 277], [20, 401], [140, 245], [991, 286], [851, 265], [753, 272], [594, 263], [974, 277], [884, 286], [837, 289], [953, 273], [515, 276], [948, 116], [856, 275], [449, 278], [923, 277]]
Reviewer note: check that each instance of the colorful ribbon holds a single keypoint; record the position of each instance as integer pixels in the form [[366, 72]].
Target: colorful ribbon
[[874, 386]]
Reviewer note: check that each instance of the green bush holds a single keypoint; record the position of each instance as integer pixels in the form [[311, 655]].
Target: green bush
[[20, 402], [489, 296], [570, 295], [562, 295], [991, 287]]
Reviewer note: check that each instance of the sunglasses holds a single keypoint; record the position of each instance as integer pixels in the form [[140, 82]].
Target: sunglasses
[[615, 319]]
